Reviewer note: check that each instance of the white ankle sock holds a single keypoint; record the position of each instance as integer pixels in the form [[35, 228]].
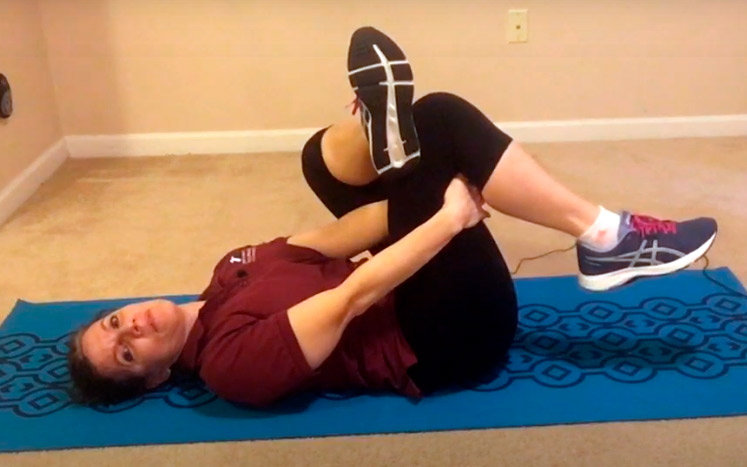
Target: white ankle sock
[[602, 234]]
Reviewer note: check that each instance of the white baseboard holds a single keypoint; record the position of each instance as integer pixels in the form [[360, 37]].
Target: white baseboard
[[25, 184], [706, 126], [208, 142], [290, 140]]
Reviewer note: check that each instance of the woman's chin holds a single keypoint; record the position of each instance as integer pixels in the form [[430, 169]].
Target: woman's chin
[[173, 321], [164, 319]]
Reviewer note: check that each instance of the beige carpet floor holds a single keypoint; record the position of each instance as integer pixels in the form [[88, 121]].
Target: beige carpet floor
[[143, 226]]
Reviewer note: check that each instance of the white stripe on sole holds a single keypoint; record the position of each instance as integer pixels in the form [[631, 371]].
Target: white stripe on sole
[[611, 279], [397, 165], [377, 65], [395, 148], [397, 83]]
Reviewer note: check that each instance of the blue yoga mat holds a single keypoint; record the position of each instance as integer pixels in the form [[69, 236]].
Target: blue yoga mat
[[669, 347]]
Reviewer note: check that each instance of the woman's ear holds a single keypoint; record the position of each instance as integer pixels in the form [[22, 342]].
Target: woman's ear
[[155, 379]]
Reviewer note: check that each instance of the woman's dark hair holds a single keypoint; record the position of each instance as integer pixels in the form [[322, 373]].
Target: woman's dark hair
[[91, 387]]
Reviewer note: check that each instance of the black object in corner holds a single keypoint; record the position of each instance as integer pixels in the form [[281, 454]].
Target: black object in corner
[[6, 100]]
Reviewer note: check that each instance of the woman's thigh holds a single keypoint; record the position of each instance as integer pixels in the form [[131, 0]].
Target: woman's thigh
[[459, 312]]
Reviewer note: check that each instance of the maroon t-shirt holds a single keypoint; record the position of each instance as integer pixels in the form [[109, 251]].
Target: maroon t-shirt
[[244, 349]]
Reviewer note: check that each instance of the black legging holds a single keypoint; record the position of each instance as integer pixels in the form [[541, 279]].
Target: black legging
[[458, 312]]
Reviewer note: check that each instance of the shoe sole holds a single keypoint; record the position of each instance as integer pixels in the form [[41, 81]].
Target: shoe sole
[[607, 281], [382, 79]]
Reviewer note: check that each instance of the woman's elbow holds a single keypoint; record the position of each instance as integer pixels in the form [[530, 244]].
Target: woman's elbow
[[355, 300]]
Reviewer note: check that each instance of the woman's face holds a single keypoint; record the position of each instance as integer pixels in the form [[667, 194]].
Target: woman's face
[[140, 339]]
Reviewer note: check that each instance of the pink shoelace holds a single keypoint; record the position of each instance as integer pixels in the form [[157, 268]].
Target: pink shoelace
[[354, 106], [648, 225]]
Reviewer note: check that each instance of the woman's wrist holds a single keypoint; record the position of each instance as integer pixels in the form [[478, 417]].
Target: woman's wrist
[[451, 218]]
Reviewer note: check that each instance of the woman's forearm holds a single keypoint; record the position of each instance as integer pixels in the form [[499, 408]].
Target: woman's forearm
[[319, 321], [392, 266]]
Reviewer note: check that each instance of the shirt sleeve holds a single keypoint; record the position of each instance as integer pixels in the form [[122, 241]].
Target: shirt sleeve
[[254, 360]]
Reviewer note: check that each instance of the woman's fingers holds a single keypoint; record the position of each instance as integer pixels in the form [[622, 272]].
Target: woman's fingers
[[468, 199]]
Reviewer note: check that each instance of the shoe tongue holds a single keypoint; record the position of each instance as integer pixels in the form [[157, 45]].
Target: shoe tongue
[[625, 225]]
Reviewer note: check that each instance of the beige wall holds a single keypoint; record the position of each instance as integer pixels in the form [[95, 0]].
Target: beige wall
[[34, 126], [124, 66]]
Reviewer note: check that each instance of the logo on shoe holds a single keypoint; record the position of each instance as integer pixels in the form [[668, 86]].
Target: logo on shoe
[[644, 255]]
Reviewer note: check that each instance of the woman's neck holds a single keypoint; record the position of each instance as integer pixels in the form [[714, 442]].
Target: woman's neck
[[191, 311]]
